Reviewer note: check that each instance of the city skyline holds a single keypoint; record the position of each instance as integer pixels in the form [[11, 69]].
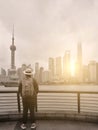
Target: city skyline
[[47, 29], [72, 61], [60, 69]]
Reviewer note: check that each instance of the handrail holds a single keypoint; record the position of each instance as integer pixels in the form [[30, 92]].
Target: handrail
[[13, 91], [67, 91], [3, 91], [78, 93]]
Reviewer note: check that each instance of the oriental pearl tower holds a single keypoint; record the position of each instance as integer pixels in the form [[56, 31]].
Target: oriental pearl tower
[[13, 49]]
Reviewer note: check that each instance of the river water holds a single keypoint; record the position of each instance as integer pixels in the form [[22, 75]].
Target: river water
[[84, 87], [91, 88]]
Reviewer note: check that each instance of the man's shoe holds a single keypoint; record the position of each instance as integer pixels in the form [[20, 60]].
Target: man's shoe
[[33, 125], [23, 126]]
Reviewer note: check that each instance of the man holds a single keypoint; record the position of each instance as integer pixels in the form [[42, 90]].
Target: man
[[28, 89]]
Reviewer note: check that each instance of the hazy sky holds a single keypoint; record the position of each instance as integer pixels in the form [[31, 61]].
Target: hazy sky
[[47, 28]]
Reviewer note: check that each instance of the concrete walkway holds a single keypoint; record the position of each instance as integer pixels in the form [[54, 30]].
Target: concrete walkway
[[52, 125]]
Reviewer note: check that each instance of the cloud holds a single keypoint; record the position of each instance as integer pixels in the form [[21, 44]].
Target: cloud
[[49, 27]]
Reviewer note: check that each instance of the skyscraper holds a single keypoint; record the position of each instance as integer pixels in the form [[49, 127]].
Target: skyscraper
[[66, 66], [58, 67], [51, 68], [79, 54], [92, 67], [79, 66], [41, 74], [37, 71]]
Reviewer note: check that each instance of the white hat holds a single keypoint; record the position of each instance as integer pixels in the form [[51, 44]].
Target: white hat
[[28, 71]]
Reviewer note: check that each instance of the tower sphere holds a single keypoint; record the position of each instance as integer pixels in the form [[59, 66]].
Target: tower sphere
[[12, 47]]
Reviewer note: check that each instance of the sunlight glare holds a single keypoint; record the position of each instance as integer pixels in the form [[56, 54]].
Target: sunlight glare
[[72, 68]]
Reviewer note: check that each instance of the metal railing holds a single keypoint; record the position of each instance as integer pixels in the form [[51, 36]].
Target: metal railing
[[9, 101], [78, 101]]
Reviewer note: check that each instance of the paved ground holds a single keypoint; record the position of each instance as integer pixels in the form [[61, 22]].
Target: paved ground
[[52, 125], [7, 125]]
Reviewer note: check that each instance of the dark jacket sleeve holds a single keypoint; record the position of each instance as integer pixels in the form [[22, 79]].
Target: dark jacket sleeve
[[36, 86], [20, 88]]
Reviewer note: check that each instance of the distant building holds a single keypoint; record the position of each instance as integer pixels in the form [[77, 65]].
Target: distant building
[[36, 75], [66, 66], [41, 74], [3, 76], [79, 66], [58, 67], [3, 72], [85, 74], [20, 70], [92, 66], [51, 68], [45, 78]]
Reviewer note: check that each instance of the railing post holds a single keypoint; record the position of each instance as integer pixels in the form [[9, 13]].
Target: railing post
[[18, 101], [36, 102], [78, 101]]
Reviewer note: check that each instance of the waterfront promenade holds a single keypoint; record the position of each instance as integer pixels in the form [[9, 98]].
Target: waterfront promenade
[[52, 125], [58, 108]]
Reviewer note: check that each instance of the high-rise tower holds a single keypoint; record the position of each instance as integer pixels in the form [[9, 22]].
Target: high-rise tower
[[51, 68], [66, 66], [79, 54], [13, 48], [79, 74], [58, 67], [37, 71]]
